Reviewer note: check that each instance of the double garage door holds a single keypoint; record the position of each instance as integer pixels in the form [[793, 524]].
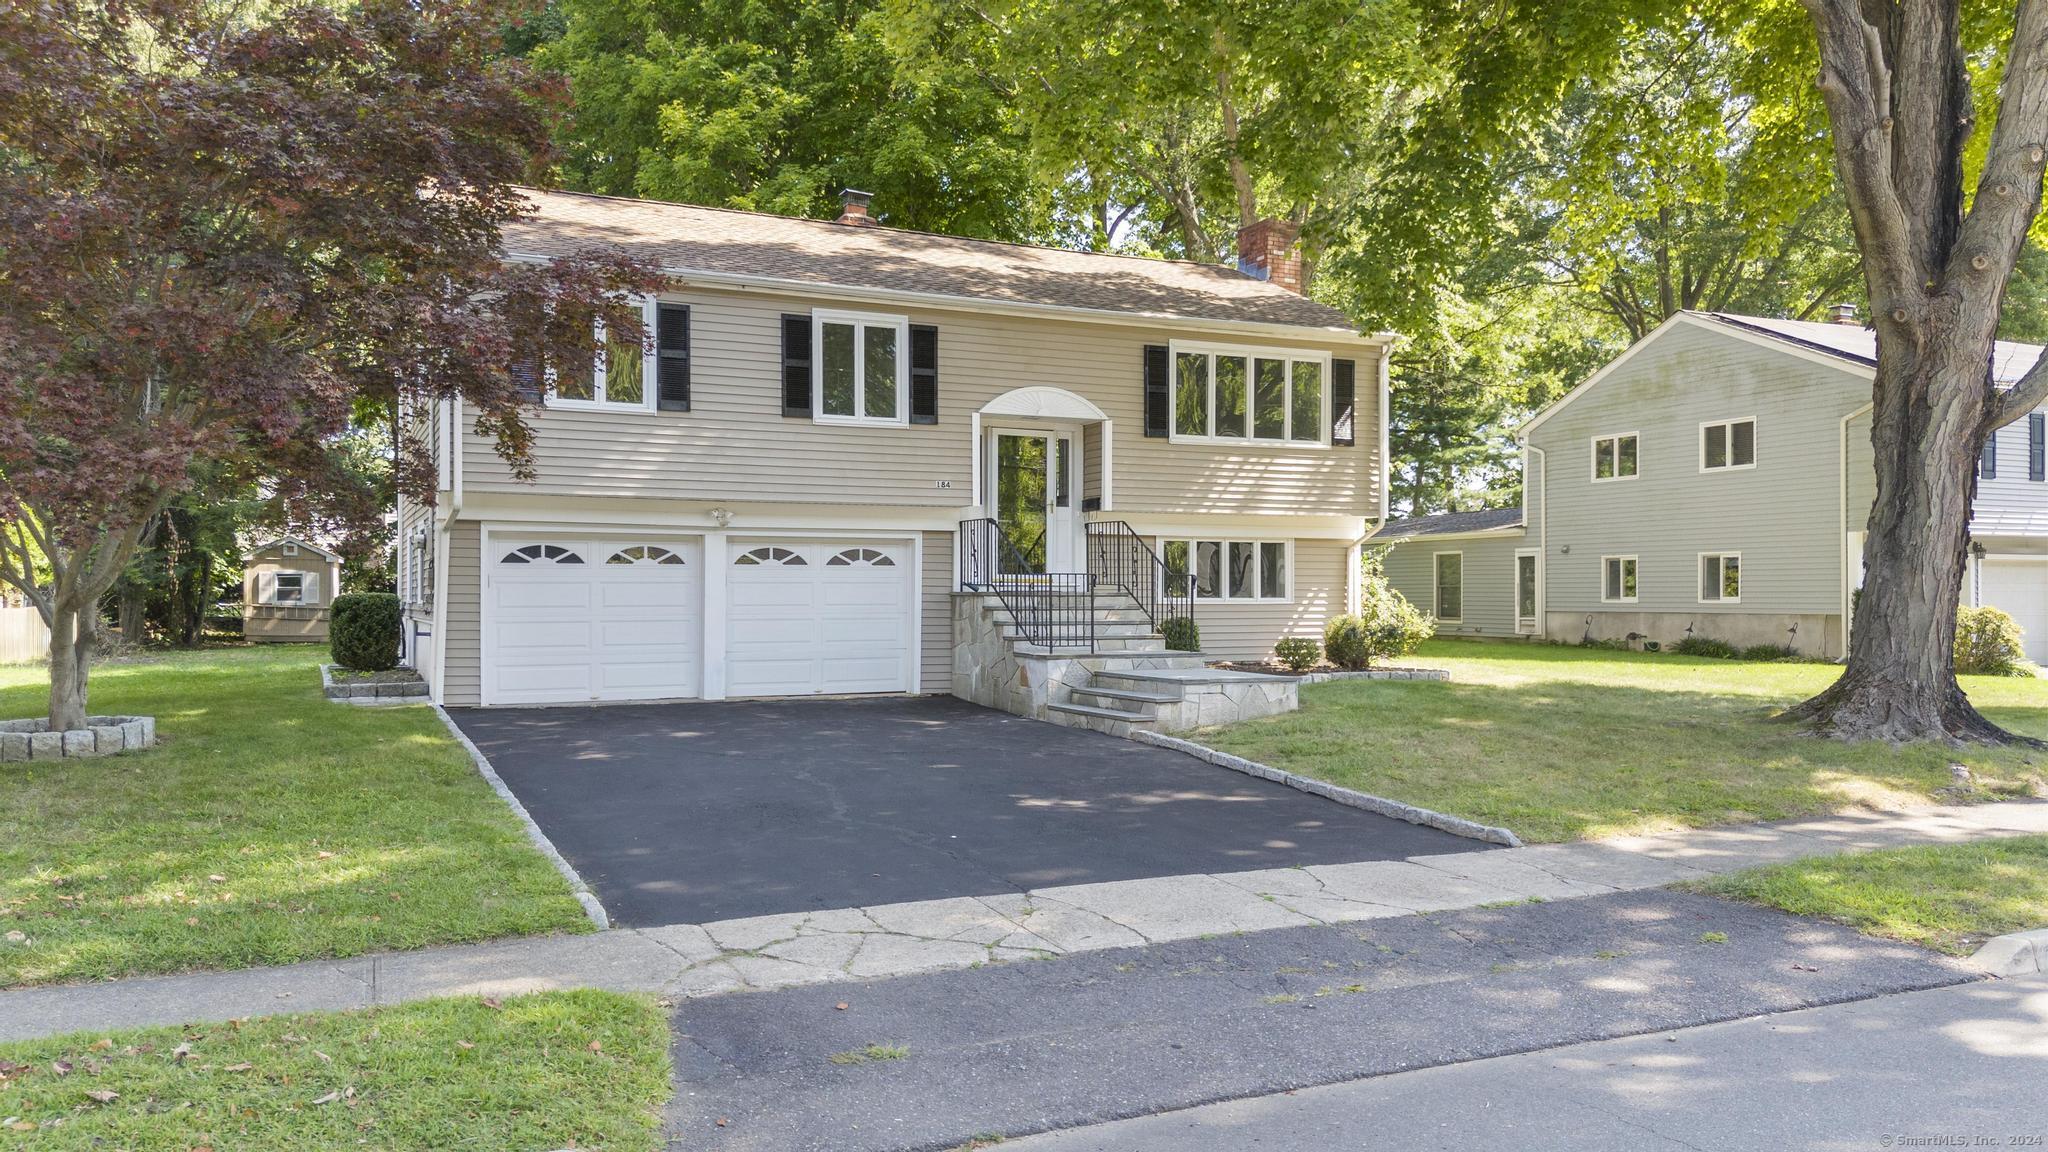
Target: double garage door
[[569, 620]]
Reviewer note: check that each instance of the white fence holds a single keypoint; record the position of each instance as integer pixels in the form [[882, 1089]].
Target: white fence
[[23, 637]]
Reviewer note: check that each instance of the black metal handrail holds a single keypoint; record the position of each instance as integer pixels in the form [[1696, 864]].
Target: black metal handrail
[[1052, 609], [1118, 556]]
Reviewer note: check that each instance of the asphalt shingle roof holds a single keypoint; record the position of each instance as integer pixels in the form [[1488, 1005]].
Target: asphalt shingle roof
[[2009, 360], [1447, 523], [687, 238]]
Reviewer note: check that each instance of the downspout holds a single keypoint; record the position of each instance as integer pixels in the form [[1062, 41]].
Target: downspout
[[1842, 534]]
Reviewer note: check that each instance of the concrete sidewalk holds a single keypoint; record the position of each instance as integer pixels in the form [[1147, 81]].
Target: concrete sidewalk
[[1953, 1067], [899, 939]]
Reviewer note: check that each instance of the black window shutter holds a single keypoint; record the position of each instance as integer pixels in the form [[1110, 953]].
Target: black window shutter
[[1987, 464], [672, 368], [1158, 400], [796, 366], [2037, 431], [924, 374], [1344, 403]]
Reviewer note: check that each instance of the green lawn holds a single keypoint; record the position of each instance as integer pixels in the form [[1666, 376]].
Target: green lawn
[[1952, 897], [1562, 743], [270, 825], [555, 1070]]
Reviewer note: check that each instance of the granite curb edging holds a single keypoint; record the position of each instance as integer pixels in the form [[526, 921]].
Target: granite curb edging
[[1455, 825], [2014, 954], [32, 740], [1378, 674], [584, 896], [402, 690]]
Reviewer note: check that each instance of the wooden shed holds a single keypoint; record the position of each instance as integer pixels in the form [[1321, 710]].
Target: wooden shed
[[286, 587]]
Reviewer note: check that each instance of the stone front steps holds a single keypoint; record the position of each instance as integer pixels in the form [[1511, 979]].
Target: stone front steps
[[1127, 679]]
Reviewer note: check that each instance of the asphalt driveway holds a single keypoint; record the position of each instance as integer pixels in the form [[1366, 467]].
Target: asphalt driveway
[[689, 813]]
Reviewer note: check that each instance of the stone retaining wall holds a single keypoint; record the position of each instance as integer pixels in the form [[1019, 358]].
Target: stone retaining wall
[[102, 736], [1379, 674], [341, 690]]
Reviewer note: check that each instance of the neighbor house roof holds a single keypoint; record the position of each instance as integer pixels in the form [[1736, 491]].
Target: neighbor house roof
[[315, 549], [1451, 524], [759, 247], [2009, 360]]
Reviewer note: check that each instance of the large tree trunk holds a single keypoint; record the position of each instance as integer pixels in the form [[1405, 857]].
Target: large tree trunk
[[1926, 431], [70, 652]]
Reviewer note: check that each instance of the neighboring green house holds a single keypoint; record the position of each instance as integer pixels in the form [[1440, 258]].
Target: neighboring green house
[[1714, 480]]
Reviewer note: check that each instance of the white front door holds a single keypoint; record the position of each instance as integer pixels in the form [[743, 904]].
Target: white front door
[[575, 620], [2020, 589], [819, 617], [1034, 484]]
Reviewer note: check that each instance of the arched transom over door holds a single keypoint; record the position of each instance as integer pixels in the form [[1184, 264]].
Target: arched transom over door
[[828, 617], [576, 620]]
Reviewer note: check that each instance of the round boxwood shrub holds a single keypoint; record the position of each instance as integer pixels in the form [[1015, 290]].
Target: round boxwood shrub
[[363, 631], [1181, 633], [1298, 653], [1988, 643]]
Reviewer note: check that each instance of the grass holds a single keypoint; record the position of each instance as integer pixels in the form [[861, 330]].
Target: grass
[[1564, 743], [1950, 897], [270, 826], [871, 1053], [554, 1070]]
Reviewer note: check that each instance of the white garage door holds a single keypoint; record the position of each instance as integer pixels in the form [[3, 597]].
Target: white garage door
[[2020, 587], [577, 620], [809, 617]]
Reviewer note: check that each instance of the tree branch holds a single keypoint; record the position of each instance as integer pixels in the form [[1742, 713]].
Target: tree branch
[[1856, 86], [2030, 393]]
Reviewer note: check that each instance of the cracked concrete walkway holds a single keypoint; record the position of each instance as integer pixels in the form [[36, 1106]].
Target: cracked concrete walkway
[[780, 951]]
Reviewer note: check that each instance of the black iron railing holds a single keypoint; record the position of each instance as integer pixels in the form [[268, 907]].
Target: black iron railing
[[1118, 557], [1052, 609]]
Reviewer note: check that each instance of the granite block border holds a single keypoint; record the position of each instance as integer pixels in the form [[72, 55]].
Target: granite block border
[[1456, 825], [577, 887], [1378, 674], [335, 690], [23, 740], [2014, 954]]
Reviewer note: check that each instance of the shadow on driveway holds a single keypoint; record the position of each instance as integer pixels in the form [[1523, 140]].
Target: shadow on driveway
[[688, 813]]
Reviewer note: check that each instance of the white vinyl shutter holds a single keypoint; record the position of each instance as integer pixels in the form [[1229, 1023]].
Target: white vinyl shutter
[[266, 587], [311, 589]]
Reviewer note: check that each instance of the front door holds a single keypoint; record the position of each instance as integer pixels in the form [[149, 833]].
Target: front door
[[1525, 591], [1032, 479]]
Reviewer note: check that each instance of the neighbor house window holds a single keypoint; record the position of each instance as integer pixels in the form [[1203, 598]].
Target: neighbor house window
[[1727, 444], [1450, 586], [1228, 569], [1618, 579], [1720, 577], [1260, 396], [1615, 457], [289, 588], [615, 378], [862, 372]]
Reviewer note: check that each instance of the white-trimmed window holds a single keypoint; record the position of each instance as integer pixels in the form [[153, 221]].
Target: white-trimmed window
[[860, 372], [1720, 577], [288, 588], [1450, 587], [1616, 457], [1230, 569], [1617, 579], [1726, 445], [1232, 394], [619, 375]]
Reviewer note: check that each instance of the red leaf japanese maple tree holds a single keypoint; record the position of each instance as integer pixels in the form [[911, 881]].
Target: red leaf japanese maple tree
[[221, 226]]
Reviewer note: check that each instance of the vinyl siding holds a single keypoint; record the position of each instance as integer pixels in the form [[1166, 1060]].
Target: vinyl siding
[[1489, 592], [2010, 501], [936, 594], [1782, 515], [1247, 630], [735, 444], [462, 584]]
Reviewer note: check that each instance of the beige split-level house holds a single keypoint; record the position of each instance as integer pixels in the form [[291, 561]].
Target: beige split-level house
[[868, 460], [1716, 480]]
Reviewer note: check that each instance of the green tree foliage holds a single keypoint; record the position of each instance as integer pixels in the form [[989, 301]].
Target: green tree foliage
[[777, 106]]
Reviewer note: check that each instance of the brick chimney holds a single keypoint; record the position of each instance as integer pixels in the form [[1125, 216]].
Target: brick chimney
[[1267, 250], [853, 207], [1843, 314]]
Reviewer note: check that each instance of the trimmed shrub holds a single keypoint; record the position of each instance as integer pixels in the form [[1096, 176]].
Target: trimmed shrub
[[1768, 652], [363, 630], [1387, 625], [1606, 644], [1181, 633], [1298, 653], [1706, 646], [1988, 644]]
